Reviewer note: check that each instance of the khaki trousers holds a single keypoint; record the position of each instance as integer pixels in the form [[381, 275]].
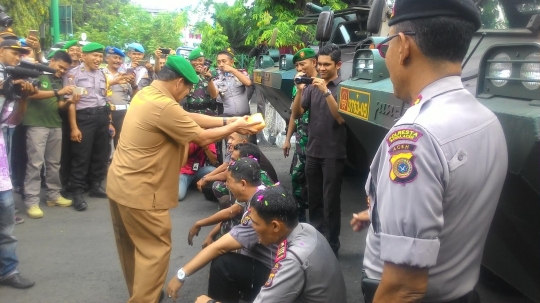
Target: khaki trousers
[[143, 239]]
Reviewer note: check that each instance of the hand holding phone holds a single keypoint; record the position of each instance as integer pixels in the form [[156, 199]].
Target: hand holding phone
[[165, 51], [130, 70], [33, 33]]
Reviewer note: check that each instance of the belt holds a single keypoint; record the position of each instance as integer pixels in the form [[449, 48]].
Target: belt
[[202, 106], [115, 107], [93, 110]]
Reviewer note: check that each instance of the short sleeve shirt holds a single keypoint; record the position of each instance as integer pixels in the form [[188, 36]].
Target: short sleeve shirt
[[233, 94], [305, 270], [196, 155], [247, 237], [327, 139], [44, 112], [152, 147], [120, 93], [434, 185], [94, 82]]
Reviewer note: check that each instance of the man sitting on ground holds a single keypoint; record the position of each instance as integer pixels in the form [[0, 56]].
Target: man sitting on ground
[[195, 168]]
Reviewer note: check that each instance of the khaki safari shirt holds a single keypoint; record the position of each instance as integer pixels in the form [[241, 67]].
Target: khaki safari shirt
[[152, 147]]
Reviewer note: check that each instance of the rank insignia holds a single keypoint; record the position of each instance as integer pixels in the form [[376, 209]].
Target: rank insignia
[[404, 134], [111, 51], [272, 275], [402, 169], [281, 251]]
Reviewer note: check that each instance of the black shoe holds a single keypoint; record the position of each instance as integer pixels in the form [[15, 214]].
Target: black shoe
[[97, 191], [78, 201], [15, 280]]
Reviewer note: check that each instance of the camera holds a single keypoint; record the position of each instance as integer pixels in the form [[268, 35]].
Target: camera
[[25, 71], [5, 20], [303, 80], [207, 63]]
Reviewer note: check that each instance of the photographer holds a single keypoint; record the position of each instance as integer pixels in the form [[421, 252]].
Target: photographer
[[10, 55], [161, 57], [306, 65], [326, 147], [202, 98], [142, 72], [44, 136]]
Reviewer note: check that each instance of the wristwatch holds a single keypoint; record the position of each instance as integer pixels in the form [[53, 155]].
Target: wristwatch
[[181, 275], [328, 93], [56, 93], [224, 121]]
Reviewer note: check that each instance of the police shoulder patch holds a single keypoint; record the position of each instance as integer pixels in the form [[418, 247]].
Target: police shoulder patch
[[272, 275], [402, 169], [403, 135], [246, 219]]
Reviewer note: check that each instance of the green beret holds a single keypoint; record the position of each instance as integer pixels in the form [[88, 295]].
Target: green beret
[[70, 43], [405, 10], [195, 54], [93, 47], [304, 54], [51, 54], [182, 67]]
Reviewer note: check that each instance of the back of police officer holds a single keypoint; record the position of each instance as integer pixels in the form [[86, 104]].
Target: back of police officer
[[436, 178]]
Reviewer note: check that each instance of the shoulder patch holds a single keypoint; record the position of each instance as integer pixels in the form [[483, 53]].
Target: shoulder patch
[[402, 169], [246, 218], [281, 252], [273, 272], [404, 134], [402, 147]]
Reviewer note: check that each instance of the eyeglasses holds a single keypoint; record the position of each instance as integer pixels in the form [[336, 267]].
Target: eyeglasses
[[383, 46]]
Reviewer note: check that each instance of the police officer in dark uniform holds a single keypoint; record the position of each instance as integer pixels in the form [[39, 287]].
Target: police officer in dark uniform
[[91, 126], [435, 181], [305, 268]]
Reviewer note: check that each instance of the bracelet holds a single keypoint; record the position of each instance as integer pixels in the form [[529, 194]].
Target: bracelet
[[224, 121]]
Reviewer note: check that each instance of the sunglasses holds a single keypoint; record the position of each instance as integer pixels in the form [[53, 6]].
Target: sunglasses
[[383, 46]]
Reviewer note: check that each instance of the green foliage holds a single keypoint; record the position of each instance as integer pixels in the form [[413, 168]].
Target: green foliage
[[492, 15], [26, 14], [213, 38]]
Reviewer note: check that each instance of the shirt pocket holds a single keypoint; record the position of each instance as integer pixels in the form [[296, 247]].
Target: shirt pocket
[[103, 87]]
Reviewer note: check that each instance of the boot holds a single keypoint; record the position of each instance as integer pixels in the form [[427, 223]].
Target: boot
[[97, 191], [78, 201]]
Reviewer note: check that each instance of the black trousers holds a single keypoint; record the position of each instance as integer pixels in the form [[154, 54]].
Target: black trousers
[[90, 157], [324, 190], [65, 159], [118, 119], [234, 276], [19, 157]]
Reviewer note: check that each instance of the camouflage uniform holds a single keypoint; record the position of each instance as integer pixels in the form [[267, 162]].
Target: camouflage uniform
[[298, 165], [199, 100], [226, 200]]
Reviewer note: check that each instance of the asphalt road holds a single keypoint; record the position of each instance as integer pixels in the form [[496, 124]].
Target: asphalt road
[[72, 255]]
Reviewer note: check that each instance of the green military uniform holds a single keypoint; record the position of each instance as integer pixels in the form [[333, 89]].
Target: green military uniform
[[298, 165], [199, 99]]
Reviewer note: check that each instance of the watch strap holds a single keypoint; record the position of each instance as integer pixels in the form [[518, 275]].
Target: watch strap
[[328, 93]]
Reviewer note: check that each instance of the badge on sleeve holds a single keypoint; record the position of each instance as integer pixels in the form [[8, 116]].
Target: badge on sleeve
[[403, 135], [402, 169], [273, 273]]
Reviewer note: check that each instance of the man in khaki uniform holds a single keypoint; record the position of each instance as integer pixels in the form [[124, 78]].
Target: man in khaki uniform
[[142, 183]]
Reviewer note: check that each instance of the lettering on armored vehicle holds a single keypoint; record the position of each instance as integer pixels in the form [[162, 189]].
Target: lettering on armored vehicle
[[257, 78], [354, 103], [386, 109]]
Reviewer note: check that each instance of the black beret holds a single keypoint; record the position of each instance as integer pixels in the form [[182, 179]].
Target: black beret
[[405, 10]]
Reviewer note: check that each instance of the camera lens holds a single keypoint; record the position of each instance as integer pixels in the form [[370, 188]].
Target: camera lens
[[5, 20]]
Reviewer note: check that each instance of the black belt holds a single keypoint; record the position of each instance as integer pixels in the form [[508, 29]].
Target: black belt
[[93, 110], [369, 287]]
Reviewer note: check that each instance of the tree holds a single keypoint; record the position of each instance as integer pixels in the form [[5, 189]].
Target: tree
[[213, 38], [134, 24], [26, 15]]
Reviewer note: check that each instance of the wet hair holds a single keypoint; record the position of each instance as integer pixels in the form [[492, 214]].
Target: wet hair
[[246, 169], [331, 50], [167, 74], [248, 150], [276, 203], [451, 46], [62, 56]]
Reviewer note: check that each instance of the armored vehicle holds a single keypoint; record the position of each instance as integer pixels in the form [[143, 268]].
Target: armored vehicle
[[502, 69]]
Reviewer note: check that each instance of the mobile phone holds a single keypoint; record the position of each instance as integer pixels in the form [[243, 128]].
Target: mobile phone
[[207, 62], [142, 62], [130, 70], [33, 33], [165, 51]]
